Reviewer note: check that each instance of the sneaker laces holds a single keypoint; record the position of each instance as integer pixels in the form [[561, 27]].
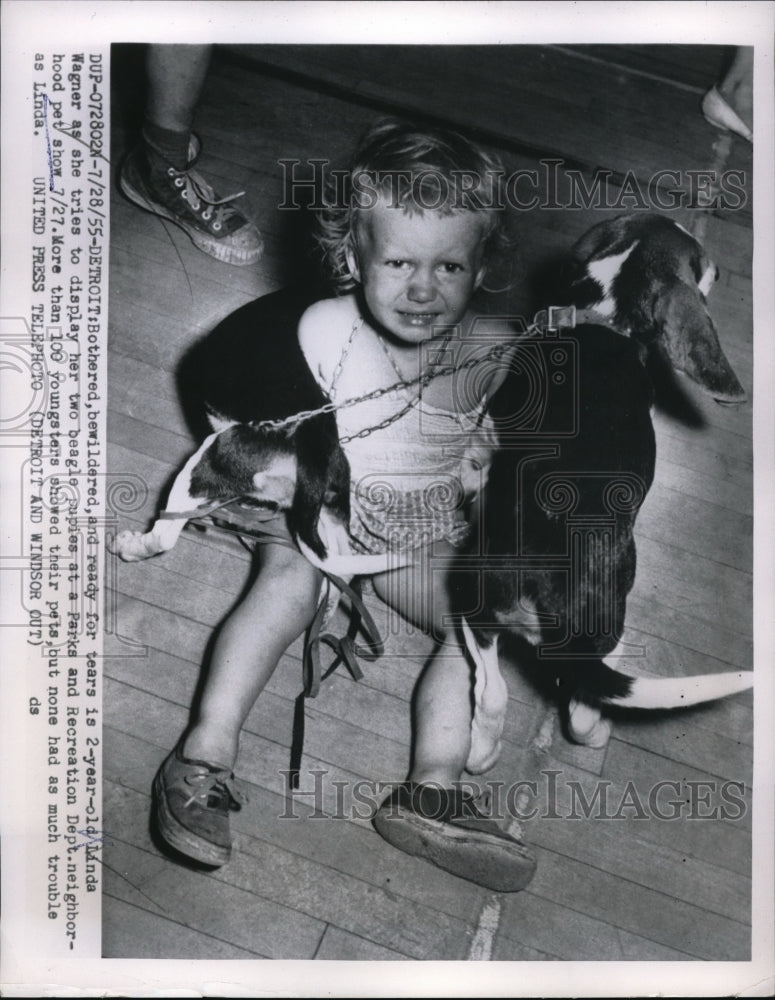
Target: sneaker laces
[[206, 782], [197, 192]]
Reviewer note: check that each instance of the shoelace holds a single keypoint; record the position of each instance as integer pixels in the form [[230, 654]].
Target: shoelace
[[206, 782], [196, 191]]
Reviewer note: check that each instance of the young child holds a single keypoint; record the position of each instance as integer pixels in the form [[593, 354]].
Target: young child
[[408, 243]]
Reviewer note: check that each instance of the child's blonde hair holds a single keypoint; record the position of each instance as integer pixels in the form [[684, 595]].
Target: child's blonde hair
[[417, 170]]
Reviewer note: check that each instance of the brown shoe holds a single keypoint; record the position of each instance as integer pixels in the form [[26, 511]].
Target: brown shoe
[[192, 802], [445, 827]]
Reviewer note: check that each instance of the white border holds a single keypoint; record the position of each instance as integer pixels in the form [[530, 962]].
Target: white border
[[85, 24]]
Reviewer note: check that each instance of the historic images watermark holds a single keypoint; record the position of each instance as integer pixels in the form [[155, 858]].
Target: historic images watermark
[[550, 796], [315, 185]]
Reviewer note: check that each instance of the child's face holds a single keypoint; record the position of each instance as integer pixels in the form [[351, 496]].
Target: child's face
[[418, 271]]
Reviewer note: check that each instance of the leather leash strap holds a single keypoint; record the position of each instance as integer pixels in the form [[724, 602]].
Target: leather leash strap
[[344, 646]]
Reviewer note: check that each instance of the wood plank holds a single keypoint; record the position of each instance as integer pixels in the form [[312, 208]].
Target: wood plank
[[199, 901], [674, 735], [618, 848], [343, 946], [636, 948], [695, 585], [484, 84], [530, 922], [264, 759], [126, 870], [735, 495], [269, 875], [334, 743], [347, 845], [668, 866], [656, 618], [168, 293], [652, 915], [697, 526], [144, 438], [693, 66], [629, 777], [724, 451], [721, 817], [131, 932]]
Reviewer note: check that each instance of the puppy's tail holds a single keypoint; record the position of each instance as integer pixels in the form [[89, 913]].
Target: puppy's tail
[[611, 687]]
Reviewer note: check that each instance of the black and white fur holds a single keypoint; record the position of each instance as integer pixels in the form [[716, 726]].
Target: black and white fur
[[251, 369], [637, 281]]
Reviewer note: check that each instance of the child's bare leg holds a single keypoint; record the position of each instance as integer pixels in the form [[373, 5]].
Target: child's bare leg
[[431, 816], [193, 789], [276, 610], [443, 716]]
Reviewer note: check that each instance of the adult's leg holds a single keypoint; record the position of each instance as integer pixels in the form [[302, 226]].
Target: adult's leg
[[737, 86], [159, 175], [729, 104], [175, 75]]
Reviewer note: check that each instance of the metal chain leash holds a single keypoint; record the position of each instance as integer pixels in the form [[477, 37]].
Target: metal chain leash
[[421, 380], [357, 324]]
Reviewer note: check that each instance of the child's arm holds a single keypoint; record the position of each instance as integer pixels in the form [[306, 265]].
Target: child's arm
[[323, 332]]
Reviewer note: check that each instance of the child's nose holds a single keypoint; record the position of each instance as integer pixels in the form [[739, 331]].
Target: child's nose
[[422, 287]]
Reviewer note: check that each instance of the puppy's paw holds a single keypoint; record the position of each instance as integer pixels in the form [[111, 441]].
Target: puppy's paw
[[484, 753], [132, 546], [586, 726]]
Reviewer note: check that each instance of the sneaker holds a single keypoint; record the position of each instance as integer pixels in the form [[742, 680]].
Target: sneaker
[[192, 802], [185, 198], [444, 826]]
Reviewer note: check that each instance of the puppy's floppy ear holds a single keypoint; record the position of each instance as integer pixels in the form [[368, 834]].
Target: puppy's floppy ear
[[687, 335], [314, 450], [214, 474], [228, 466]]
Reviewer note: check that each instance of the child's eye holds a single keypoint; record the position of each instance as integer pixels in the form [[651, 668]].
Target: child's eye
[[450, 267], [396, 263]]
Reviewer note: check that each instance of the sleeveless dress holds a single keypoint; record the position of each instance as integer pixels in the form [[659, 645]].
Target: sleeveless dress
[[411, 478]]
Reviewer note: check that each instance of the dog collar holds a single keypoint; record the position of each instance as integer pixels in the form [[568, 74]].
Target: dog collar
[[566, 318], [555, 318]]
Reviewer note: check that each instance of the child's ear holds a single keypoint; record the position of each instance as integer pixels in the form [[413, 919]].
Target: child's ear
[[352, 261], [480, 276]]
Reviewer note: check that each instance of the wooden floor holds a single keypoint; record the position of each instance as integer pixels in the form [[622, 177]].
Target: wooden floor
[[326, 886]]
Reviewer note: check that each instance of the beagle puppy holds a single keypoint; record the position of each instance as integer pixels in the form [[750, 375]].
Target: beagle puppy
[[247, 371], [251, 379], [555, 556]]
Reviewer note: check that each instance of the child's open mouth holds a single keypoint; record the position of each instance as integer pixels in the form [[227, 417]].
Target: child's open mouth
[[419, 319]]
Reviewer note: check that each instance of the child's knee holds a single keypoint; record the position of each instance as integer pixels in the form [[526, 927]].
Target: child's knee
[[286, 582], [420, 595]]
